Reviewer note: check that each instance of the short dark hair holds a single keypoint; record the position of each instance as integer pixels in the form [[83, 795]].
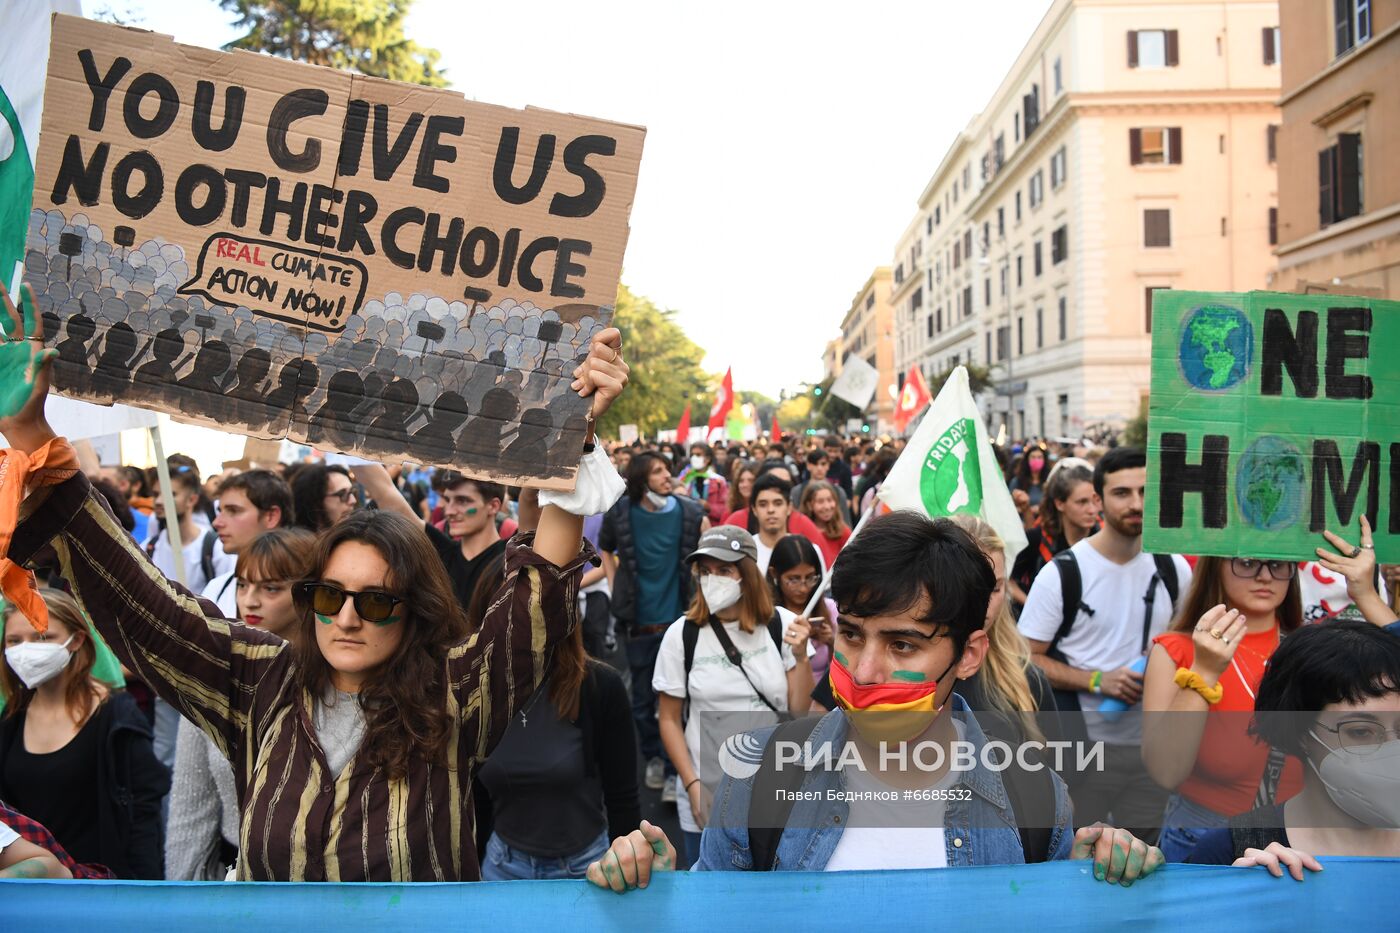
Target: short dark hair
[[186, 478], [817, 455], [902, 559], [773, 463], [486, 489], [1330, 662], [832, 440], [637, 472], [766, 482], [265, 490], [137, 478], [1119, 458]]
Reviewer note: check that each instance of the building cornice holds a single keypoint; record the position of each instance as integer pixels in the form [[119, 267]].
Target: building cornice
[[1348, 234], [1337, 64]]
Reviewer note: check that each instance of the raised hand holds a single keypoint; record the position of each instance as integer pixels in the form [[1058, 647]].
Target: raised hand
[[1358, 564], [796, 636], [604, 373], [24, 374], [1218, 633], [632, 858]]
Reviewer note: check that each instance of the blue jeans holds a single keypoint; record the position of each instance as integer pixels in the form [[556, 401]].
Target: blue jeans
[[503, 863], [692, 846], [1183, 824], [641, 658]]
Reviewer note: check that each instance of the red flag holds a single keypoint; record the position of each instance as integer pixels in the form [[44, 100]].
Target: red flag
[[913, 399], [777, 431], [683, 429], [724, 401]]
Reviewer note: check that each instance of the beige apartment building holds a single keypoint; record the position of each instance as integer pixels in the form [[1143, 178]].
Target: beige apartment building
[[1339, 193], [867, 331], [1127, 150]]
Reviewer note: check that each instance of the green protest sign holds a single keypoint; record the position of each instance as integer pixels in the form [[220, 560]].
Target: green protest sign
[[1272, 417]]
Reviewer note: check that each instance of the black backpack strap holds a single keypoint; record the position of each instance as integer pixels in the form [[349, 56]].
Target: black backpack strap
[[1166, 569], [1071, 597], [690, 637], [768, 783], [206, 554], [1032, 796]]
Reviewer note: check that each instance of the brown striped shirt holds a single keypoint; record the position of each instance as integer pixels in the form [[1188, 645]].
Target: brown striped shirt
[[238, 684]]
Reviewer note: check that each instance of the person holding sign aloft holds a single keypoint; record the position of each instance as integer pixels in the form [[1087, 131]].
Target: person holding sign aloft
[[353, 752]]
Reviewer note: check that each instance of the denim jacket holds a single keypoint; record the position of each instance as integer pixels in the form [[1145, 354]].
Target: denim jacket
[[979, 831]]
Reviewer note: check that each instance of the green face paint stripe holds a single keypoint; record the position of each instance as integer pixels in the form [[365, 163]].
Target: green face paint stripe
[[324, 620], [908, 676], [389, 621], [842, 658]]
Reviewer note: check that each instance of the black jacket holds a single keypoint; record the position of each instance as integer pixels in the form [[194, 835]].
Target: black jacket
[[133, 783], [616, 536]]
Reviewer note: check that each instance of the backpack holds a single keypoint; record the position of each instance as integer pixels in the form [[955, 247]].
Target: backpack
[[206, 551], [775, 790], [1072, 602], [690, 637]]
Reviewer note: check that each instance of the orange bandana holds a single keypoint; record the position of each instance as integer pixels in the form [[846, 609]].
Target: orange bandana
[[51, 464]]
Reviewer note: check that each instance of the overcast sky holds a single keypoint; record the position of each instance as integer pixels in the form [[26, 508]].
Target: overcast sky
[[787, 143]]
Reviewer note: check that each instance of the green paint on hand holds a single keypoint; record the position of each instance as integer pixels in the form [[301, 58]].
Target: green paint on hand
[[913, 677], [324, 620]]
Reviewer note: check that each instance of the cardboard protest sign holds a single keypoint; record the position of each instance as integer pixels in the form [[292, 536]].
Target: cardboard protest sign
[[1272, 417], [283, 250]]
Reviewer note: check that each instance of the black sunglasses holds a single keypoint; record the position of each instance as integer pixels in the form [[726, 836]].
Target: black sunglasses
[[326, 599]]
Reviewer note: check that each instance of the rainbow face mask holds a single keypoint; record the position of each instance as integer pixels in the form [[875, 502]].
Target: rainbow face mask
[[888, 712]]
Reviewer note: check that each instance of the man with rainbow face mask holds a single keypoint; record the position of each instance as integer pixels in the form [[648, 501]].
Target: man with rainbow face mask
[[900, 775]]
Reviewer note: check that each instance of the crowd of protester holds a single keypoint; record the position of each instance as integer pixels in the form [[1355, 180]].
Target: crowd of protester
[[374, 672]]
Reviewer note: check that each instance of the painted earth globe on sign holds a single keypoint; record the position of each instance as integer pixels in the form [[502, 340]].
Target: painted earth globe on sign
[[1217, 344], [1269, 483]]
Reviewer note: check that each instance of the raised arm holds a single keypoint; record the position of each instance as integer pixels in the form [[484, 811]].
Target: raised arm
[[495, 671], [194, 659]]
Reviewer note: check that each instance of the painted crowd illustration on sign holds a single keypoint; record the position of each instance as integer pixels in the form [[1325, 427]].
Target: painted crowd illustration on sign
[[290, 251]]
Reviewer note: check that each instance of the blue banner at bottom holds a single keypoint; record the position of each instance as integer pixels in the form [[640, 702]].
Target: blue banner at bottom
[[1062, 896]]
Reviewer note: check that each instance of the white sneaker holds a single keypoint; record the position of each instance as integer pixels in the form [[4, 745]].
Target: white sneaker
[[668, 793], [656, 774]]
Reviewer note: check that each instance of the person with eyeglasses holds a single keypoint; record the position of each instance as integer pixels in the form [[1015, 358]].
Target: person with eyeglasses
[[794, 572], [1202, 677], [322, 495], [1331, 698], [354, 749]]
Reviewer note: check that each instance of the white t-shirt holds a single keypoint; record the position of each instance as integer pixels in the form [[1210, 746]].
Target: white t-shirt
[[1325, 596], [223, 592], [7, 836], [1112, 637], [716, 686], [195, 581], [891, 834]]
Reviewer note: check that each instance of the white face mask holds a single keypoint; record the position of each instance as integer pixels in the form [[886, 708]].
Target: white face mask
[[1365, 787], [698, 462], [656, 500], [720, 592], [38, 662]]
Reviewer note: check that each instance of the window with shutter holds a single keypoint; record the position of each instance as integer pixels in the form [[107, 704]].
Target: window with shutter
[[1038, 263], [1326, 169], [1059, 245], [1273, 226], [1064, 318], [967, 301], [1349, 179], [1273, 143], [1270, 45], [1341, 22], [1039, 328], [1135, 146], [1152, 51], [1174, 145], [1133, 49], [1156, 227], [989, 346], [1173, 50], [1020, 337]]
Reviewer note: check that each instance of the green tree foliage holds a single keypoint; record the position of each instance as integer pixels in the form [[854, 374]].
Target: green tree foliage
[[979, 380], [665, 365], [359, 35]]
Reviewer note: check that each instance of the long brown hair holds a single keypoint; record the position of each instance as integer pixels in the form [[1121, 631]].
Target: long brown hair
[[1007, 666], [1208, 591], [736, 499], [755, 599], [405, 699], [1064, 480], [569, 664], [82, 691], [834, 528]]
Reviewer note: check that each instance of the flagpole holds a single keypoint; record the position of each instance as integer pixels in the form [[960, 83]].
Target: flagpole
[[826, 579]]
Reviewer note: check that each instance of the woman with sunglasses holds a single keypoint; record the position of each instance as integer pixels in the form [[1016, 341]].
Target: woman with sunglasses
[[1202, 678], [353, 751]]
